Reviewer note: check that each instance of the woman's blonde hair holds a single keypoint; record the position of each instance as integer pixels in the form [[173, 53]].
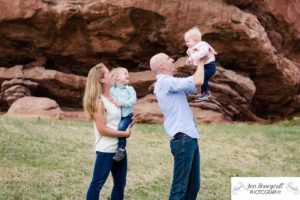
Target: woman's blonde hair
[[93, 89], [193, 33], [115, 72]]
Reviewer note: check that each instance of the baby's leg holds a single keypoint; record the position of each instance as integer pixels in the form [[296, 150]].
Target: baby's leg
[[209, 71], [125, 121]]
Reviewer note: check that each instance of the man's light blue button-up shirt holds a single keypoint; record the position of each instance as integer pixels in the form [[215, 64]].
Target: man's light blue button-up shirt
[[171, 96]]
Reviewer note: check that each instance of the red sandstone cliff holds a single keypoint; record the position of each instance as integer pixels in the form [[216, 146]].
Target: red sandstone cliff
[[48, 46]]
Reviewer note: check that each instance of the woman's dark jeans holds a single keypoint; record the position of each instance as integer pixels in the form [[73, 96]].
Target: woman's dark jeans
[[105, 164]]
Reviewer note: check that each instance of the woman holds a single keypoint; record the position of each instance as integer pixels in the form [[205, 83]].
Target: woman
[[101, 109]]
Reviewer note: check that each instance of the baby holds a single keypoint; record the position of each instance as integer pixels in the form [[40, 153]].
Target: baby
[[197, 49], [125, 97]]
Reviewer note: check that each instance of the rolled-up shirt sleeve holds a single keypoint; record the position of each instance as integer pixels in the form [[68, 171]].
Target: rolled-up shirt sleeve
[[186, 85]]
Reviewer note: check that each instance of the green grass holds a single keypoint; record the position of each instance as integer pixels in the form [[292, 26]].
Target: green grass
[[53, 159]]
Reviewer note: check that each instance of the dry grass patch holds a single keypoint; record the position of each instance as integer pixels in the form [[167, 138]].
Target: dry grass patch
[[53, 159]]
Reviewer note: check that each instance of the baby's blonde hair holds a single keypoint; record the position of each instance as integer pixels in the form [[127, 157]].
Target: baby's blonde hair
[[115, 72], [193, 33]]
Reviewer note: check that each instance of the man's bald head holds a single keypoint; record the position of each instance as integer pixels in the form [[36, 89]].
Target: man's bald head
[[157, 60]]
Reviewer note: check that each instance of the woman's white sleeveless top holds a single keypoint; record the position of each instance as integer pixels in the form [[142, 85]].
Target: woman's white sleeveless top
[[113, 116]]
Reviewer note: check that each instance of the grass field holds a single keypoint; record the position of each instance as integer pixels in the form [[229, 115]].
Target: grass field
[[53, 159]]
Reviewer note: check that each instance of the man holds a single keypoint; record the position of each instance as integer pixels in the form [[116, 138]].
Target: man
[[179, 124]]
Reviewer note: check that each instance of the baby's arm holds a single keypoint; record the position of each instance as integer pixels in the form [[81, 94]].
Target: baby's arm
[[202, 51], [119, 103], [132, 97], [114, 94], [189, 60]]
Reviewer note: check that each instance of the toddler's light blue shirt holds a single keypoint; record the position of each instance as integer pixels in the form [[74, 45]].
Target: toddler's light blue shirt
[[125, 94]]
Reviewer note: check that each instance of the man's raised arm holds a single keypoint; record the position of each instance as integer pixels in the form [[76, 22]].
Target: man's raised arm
[[199, 74]]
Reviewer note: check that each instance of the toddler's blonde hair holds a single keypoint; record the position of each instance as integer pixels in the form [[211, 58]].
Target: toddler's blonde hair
[[115, 72], [193, 33]]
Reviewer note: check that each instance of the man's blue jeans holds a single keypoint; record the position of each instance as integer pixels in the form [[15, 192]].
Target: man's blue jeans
[[103, 165], [186, 176], [124, 123]]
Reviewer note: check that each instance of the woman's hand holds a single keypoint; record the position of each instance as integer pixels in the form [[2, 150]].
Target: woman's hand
[[128, 130]]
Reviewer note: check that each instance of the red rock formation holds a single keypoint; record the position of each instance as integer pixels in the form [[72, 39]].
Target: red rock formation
[[42, 107], [147, 110], [66, 89], [16, 88], [257, 44], [37, 106], [141, 81], [278, 80]]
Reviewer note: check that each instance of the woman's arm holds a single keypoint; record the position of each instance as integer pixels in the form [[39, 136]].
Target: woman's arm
[[101, 124]]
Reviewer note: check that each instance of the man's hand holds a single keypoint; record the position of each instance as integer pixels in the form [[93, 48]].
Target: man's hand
[[189, 61], [204, 59]]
